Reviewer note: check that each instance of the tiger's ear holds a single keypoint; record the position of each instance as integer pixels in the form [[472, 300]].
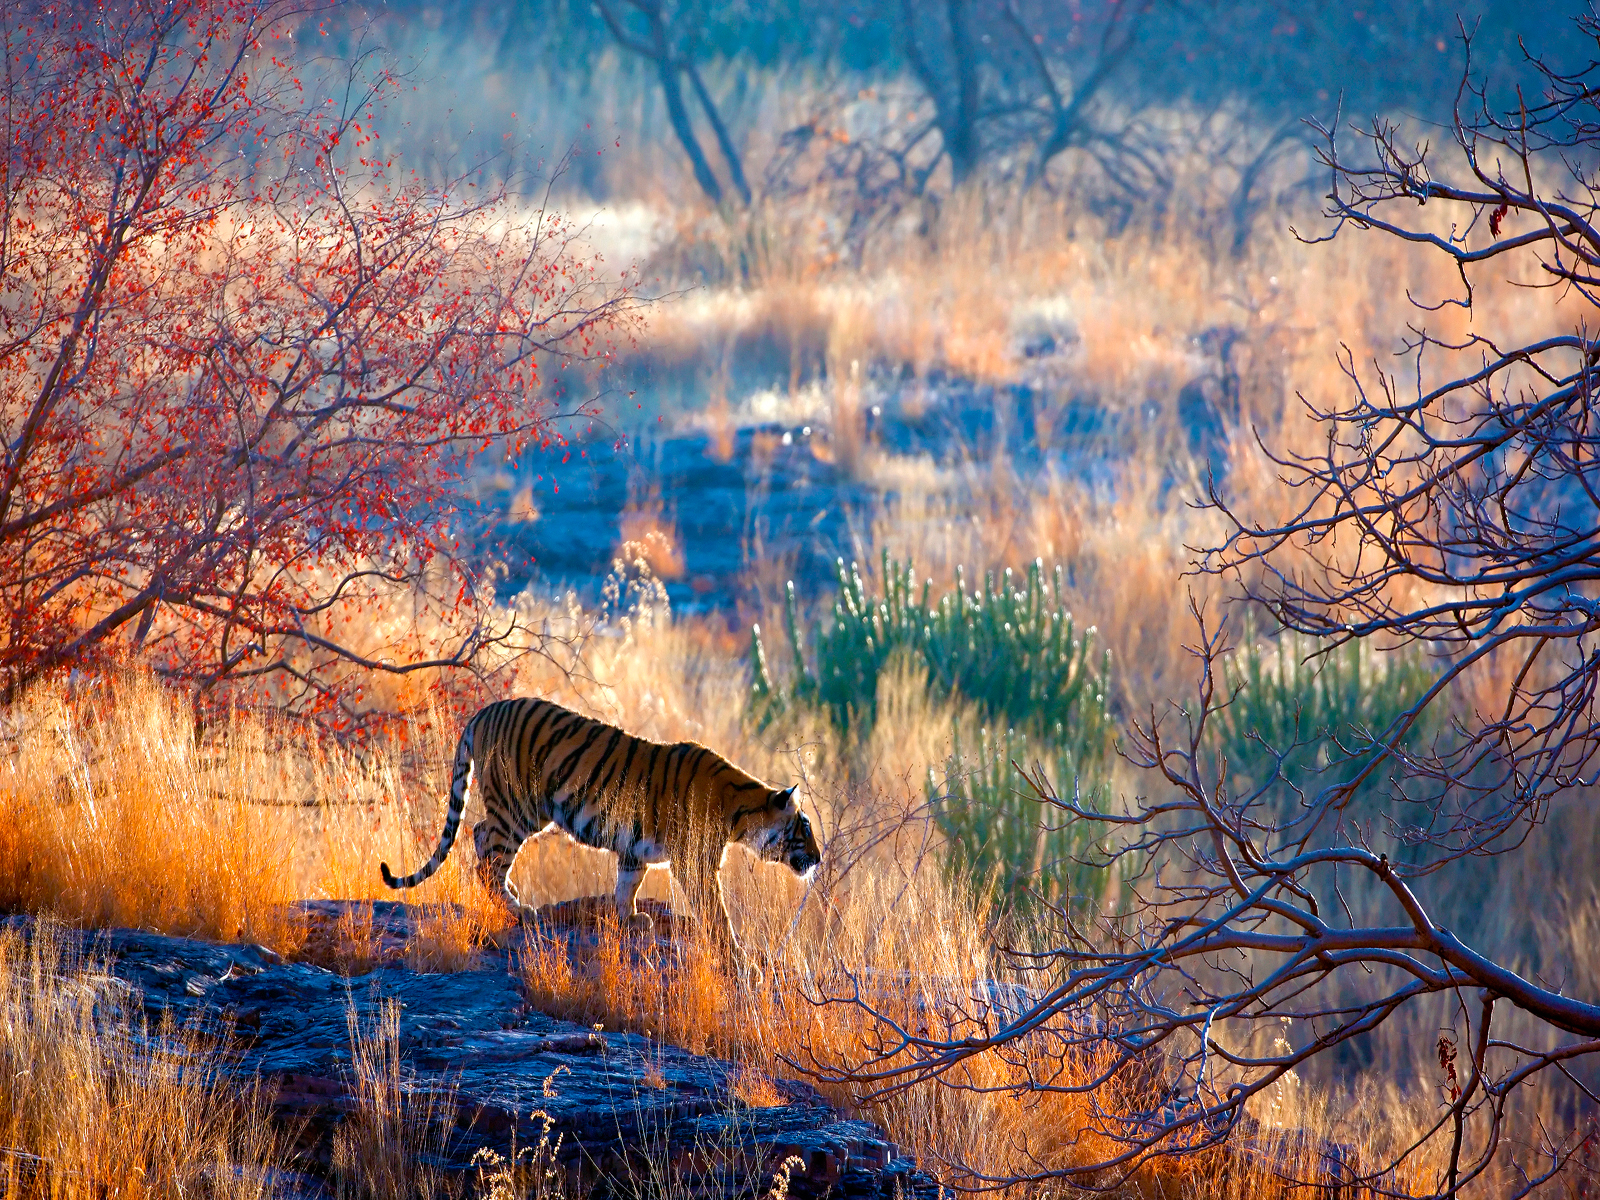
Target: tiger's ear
[[783, 799]]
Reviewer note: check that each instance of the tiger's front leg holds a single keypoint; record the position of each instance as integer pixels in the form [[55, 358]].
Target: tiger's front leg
[[630, 878], [719, 925]]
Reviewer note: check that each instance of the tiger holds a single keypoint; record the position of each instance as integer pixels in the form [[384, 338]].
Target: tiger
[[540, 766]]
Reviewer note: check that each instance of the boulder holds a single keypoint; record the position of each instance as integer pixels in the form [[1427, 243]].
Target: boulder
[[502, 1073]]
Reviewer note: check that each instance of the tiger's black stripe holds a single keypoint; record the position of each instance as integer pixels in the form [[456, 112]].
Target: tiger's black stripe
[[539, 766]]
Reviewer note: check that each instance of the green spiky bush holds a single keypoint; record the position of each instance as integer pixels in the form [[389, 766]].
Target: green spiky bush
[[1011, 648], [1000, 833], [1321, 712]]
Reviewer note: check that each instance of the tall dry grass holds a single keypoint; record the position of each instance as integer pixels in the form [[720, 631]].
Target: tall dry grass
[[919, 947], [94, 1102], [118, 817], [894, 916], [872, 925], [395, 1137], [964, 291]]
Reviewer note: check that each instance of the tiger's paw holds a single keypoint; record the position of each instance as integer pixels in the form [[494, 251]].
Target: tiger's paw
[[641, 923]]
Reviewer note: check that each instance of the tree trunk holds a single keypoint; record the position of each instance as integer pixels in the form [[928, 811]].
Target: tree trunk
[[960, 131], [725, 142], [678, 113]]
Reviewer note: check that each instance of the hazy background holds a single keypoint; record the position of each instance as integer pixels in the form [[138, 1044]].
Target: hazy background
[[1087, 125]]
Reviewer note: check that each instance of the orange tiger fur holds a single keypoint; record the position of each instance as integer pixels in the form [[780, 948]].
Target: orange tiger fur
[[541, 766]]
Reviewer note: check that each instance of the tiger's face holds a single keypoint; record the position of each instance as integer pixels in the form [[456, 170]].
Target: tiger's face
[[786, 837]]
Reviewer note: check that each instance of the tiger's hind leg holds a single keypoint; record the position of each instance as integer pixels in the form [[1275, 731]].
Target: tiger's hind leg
[[630, 878], [496, 853]]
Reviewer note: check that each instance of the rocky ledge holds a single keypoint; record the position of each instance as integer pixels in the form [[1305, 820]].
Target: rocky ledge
[[503, 1074]]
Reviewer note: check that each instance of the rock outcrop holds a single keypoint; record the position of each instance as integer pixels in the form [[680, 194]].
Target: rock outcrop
[[503, 1074]]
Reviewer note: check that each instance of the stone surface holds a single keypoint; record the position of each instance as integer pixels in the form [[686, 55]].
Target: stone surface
[[620, 1103], [780, 471]]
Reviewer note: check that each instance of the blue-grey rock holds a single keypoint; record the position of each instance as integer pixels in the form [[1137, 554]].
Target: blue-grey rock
[[620, 1103]]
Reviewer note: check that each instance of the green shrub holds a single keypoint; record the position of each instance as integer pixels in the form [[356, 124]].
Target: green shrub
[[1321, 713], [1013, 652], [999, 832]]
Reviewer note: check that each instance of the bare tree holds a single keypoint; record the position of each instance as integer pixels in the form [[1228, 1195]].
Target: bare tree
[[660, 43], [1068, 102], [1462, 514], [1249, 195], [1237, 927], [948, 72], [994, 87]]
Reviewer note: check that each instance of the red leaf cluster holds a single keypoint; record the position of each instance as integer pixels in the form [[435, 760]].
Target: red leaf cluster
[[243, 361]]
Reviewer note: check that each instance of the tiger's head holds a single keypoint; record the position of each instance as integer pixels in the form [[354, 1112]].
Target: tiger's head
[[781, 833]]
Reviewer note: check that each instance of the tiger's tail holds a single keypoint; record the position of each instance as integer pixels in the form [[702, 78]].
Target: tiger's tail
[[460, 784]]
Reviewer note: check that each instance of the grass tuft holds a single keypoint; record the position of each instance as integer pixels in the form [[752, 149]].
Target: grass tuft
[[96, 1103], [388, 1145], [1010, 647], [116, 817]]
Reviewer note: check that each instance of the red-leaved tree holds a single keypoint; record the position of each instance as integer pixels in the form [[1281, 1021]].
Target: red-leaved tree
[[244, 360]]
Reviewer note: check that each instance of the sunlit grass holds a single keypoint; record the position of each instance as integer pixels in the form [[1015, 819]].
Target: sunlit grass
[[885, 909], [95, 1103]]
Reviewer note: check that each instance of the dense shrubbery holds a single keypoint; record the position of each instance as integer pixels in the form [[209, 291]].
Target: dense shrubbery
[[1012, 652], [997, 831], [1015, 654], [1317, 712]]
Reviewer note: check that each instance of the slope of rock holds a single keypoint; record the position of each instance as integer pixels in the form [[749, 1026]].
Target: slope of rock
[[624, 1107]]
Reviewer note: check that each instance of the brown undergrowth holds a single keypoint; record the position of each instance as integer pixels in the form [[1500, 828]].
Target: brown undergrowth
[[116, 817], [790, 1021]]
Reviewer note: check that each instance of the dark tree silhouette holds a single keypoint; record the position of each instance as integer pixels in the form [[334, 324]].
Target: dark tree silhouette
[[652, 33], [994, 89]]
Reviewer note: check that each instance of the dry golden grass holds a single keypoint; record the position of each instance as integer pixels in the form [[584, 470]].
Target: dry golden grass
[[646, 528], [953, 294], [998, 1125], [690, 998], [389, 1144], [95, 1104], [118, 818], [115, 818], [891, 909]]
